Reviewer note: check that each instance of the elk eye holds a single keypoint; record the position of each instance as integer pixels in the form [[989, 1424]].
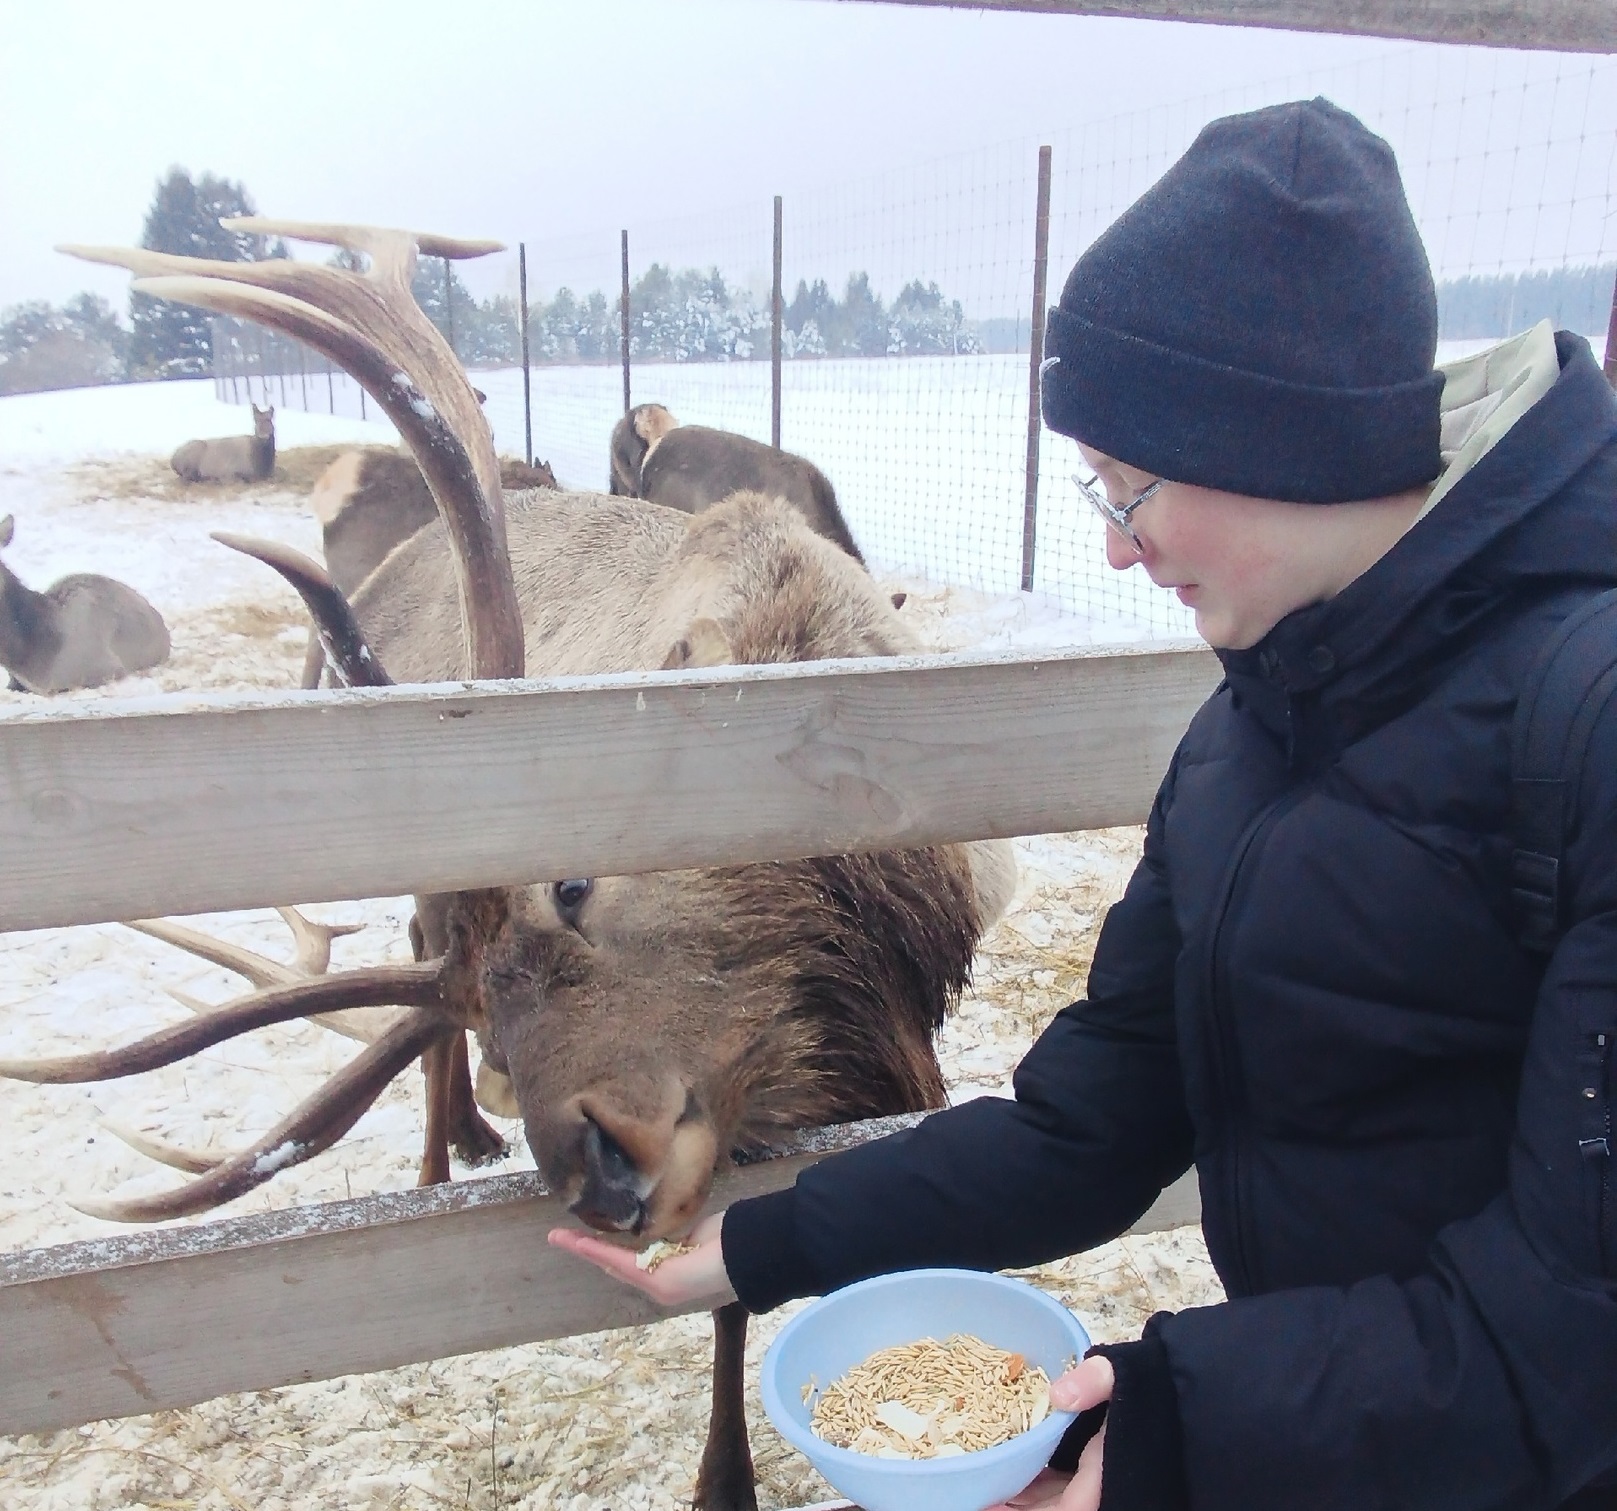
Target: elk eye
[[570, 897]]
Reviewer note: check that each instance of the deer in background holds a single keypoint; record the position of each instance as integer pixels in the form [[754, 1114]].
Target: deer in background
[[233, 459], [691, 467], [83, 630], [646, 1028]]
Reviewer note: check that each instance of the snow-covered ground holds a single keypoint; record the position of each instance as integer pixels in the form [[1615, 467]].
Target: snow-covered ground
[[615, 1419]]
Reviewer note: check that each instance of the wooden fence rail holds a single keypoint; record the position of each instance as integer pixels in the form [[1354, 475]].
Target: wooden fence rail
[[123, 1326], [1554, 25], [183, 805]]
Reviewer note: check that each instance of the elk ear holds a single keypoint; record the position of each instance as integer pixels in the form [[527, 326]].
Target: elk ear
[[7, 525], [704, 643], [495, 1093]]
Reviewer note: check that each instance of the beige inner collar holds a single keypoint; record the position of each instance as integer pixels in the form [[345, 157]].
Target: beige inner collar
[[1484, 395]]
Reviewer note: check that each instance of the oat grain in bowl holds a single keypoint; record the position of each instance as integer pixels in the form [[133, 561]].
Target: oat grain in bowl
[[928, 1399]]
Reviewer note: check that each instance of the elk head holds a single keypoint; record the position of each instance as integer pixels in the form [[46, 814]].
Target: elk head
[[631, 1086]]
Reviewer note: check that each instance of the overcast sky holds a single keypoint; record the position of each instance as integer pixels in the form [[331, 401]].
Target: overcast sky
[[510, 119]]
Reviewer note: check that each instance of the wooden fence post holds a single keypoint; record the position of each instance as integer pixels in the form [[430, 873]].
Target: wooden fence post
[[775, 309], [624, 310], [1035, 349], [522, 325]]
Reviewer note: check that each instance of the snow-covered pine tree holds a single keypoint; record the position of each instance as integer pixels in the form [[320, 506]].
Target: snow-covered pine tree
[[447, 302], [173, 340], [860, 327], [922, 323], [76, 346]]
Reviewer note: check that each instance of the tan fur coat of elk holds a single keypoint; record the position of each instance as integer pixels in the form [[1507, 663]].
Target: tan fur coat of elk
[[232, 458], [81, 631], [372, 499], [647, 1027]]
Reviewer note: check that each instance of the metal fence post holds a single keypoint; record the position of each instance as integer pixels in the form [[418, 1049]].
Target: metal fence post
[[258, 354], [522, 326], [1611, 339], [775, 308], [1035, 345], [449, 307], [624, 338], [331, 392]]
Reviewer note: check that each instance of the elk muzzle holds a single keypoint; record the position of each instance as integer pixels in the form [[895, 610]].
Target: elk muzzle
[[629, 1172]]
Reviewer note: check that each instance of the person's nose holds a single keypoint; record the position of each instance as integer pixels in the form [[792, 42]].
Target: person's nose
[[1120, 553]]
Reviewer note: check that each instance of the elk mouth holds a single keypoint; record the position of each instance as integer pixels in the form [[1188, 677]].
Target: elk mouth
[[647, 1176]]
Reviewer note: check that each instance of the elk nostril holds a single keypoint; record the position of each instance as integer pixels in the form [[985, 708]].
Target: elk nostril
[[610, 1197], [604, 1156]]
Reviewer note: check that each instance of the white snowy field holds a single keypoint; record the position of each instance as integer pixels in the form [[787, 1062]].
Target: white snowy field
[[928, 456], [611, 1419]]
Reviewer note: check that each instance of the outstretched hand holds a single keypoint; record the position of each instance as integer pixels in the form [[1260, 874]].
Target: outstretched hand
[[697, 1276], [1087, 1385]]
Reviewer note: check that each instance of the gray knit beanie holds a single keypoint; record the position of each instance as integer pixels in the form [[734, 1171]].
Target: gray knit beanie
[[1262, 320]]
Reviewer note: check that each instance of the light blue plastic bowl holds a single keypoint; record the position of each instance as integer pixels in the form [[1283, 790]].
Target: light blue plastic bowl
[[827, 1338]]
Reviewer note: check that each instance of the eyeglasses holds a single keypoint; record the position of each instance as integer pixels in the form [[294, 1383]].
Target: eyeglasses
[[1117, 518]]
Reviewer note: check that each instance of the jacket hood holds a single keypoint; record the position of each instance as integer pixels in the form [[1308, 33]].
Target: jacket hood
[[1527, 506]]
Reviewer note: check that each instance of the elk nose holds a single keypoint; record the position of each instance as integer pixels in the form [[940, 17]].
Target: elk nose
[[610, 1198]]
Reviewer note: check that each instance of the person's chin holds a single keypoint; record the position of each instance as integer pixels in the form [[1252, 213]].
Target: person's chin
[[1217, 630]]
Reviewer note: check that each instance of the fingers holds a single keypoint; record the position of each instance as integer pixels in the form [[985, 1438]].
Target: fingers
[[1083, 1493], [698, 1276], [1085, 1385], [1044, 1494], [617, 1261]]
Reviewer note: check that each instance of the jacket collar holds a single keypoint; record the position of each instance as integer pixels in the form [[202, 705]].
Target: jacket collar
[[1519, 512]]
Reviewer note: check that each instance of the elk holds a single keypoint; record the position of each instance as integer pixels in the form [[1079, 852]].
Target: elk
[[83, 630], [646, 1028], [370, 500], [235, 458], [691, 467]]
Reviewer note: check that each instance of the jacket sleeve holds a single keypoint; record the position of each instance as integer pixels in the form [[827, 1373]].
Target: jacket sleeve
[[1489, 1379], [1097, 1128]]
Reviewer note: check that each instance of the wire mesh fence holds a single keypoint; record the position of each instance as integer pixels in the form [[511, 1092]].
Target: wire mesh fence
[[907, 307]]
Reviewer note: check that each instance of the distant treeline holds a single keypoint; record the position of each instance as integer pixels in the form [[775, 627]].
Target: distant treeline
[[687, 314], [1500, 304], [694, 315]]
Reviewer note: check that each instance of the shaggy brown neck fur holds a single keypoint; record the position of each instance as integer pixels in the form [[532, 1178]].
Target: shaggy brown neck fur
[[878, 948]]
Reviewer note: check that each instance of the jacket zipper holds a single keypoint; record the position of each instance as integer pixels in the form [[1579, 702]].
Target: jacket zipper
[[1597, 1150], [1231, 1087]]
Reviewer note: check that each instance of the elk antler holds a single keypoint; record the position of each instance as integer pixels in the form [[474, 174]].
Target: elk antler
[[313, 1128], [396, 985], [313, 942], [351, 660], [371, 326]]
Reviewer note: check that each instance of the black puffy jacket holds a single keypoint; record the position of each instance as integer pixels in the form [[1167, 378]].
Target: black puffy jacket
[[1313, 990]]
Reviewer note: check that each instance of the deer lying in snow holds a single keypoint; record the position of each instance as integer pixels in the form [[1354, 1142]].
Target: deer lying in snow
[[233, 458], [83, 630], [370, 500], [691, 467], [646, 1027]]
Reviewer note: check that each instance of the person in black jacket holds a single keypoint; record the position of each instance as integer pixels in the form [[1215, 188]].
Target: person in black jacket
[[1314, 988]]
